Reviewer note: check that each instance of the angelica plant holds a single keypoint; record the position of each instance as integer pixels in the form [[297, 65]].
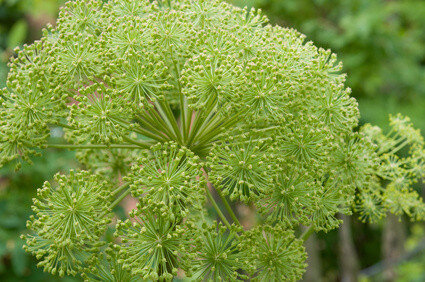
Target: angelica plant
[[173, 102]]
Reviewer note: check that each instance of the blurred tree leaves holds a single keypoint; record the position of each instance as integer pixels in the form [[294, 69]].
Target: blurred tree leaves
[[20, 22], [16, 192], [413, 270], [17, 34]]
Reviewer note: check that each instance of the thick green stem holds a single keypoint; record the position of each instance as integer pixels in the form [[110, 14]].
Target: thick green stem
[[141, 144], [75, 147], [120, 189], [228, 207], [217, 209], [119, 199], [307, 233]]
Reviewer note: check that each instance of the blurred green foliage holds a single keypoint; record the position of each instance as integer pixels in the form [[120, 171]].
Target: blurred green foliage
[[413, 270], [16, 192], [20, 22], [410, 266]]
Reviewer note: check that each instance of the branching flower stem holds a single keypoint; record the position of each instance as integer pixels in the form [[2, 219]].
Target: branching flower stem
[[227, 206], [148, 133], [165, 111], [208, 188], [307, 233], [119, 199], [184, 111], [120, 189], [141, 144], [214, 128], [200, 118], [152, 117], [214, 203], [153, 127], [90, 146]]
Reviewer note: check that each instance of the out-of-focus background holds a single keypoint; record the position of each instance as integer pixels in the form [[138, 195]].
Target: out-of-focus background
[[382, 46], [21, 22]]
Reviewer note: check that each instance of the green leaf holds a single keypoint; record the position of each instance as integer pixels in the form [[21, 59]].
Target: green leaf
[[19, 259], [17, 34]]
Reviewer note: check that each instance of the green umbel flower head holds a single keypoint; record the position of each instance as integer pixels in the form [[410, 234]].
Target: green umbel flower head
[[241, 170], [219, 257], [292, 198], [70, 218], [153, 244], [273, 253], [113, 163], [369, 203], [399, 171], [169, 175], [109, 268]]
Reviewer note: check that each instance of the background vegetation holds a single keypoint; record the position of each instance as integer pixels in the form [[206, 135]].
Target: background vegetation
[[382, 46], [21, 22]]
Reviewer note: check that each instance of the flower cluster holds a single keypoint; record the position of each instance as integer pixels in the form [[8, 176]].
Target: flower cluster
[[219, 255], [153, 244], [274, 252], [71, 217], [170, 175], [175, 102], [400, 155]]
